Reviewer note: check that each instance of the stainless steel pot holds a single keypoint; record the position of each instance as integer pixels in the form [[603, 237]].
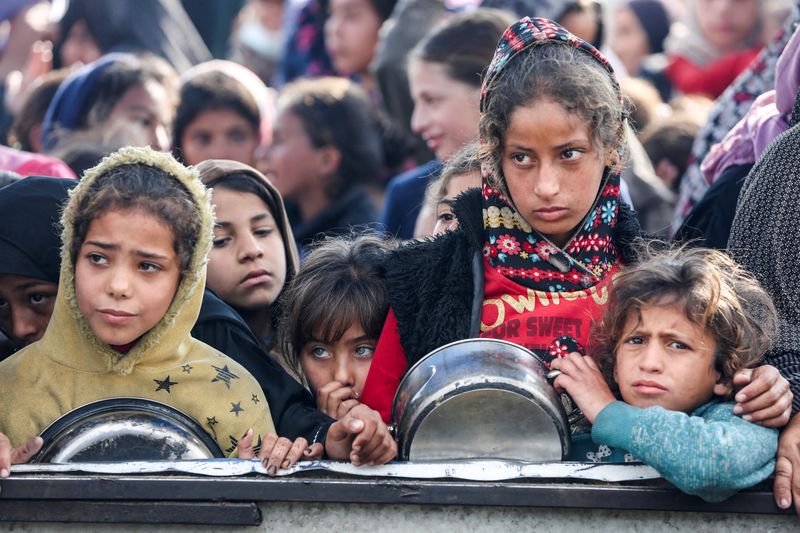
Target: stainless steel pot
[[125, 429], [479, 398]]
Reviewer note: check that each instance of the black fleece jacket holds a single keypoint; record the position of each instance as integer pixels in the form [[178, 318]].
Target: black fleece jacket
[[436, 286]]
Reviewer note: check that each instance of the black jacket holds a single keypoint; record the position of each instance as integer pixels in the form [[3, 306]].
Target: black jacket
[[709, 223], [436, 286], [293, 409]]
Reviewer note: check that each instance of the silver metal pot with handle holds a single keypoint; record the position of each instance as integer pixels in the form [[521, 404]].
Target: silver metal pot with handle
[[479, 398]]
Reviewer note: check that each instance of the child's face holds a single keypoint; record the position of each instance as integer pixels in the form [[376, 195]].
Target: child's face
[[551, 167], [346, 361], [126, 274], [26, 305], [666, 360], [148, 105], [726, 23], [79, 46], [351, 33], [219, 134], [445, 219], [247, 265], [630, 41], [293, 163], [446, 111]]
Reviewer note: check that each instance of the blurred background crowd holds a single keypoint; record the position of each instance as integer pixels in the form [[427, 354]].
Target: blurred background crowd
[[352, 107]]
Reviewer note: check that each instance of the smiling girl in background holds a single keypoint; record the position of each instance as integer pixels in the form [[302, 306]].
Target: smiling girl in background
[[444, 73]]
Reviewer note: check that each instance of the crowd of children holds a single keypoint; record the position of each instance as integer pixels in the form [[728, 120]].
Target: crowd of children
[[214, 244]]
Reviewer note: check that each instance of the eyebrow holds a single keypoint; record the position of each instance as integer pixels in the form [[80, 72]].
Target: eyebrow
[[25, 286], [446, 201], [571, 142], [137, 107], [256, 218], [356, 340], [115, 247]]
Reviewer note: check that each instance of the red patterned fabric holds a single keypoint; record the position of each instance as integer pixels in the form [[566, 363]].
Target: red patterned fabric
[[550, 324]]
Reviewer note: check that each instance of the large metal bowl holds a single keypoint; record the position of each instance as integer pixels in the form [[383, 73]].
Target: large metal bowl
[[479, 399], [125, 429]]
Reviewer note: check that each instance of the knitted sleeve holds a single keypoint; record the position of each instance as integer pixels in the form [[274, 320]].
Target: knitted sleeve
[[788, 363], [712, 453]]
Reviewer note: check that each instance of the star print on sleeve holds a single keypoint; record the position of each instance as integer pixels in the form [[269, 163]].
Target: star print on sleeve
[[224, 375], [255, 399], [212, 421], [164, 384], [236, 408], [187, 368], [235, 442]]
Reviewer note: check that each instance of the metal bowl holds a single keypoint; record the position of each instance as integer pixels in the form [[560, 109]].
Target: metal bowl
[[125, 429], [479, 399]]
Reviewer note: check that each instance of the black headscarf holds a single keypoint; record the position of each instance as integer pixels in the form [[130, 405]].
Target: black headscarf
[[158, 26], [30, 237]]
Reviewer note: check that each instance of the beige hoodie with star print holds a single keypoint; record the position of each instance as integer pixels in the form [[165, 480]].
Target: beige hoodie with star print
[[70, 367]]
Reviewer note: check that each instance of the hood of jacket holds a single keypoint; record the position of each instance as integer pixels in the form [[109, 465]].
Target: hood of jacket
[[68, 337]]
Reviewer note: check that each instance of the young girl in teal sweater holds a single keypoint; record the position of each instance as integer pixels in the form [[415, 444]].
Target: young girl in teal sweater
[[679, 326]]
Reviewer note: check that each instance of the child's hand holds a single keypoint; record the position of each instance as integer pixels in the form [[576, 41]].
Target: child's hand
[[277, 452], [584, 382], [14, 456], [362, 437], [336, 400], [766, 399]]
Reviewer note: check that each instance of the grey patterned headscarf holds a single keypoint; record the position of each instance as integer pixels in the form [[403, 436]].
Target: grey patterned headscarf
[[762, 240]]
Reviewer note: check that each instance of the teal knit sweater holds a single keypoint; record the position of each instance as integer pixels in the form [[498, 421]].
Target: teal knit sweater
[[711, 453]]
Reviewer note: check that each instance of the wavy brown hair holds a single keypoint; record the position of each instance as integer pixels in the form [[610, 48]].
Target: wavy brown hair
[[714, 292]]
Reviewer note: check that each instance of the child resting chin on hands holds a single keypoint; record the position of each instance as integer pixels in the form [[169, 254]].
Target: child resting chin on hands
[[679, 326]]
